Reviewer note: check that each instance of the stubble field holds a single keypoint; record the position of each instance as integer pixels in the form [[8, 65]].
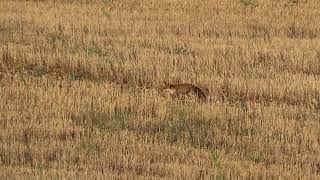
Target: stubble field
[[80, 80]]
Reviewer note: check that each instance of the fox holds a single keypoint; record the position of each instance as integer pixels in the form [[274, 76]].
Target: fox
[[185, 89]]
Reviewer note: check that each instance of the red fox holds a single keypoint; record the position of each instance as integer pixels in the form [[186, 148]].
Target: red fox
[[184, 89]]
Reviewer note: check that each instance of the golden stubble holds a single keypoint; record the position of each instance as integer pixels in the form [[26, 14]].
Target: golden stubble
[[80, 86]]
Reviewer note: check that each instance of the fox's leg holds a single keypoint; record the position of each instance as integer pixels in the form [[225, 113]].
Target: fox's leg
[[193, 93]]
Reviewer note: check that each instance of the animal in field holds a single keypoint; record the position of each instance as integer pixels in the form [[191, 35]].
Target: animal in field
[[184, 89]]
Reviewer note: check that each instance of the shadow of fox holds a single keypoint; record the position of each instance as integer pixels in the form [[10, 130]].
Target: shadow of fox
[[184, 89]]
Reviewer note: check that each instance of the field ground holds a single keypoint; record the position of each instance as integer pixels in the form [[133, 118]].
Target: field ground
[[79, 85]]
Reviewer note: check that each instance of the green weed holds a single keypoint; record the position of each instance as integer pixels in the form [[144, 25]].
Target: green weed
[[39, 72]]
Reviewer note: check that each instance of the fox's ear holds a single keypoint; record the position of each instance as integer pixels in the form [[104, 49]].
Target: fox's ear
[[206, 90]]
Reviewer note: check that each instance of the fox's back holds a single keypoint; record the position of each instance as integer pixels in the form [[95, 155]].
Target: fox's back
[[185, 89], [181, 88]]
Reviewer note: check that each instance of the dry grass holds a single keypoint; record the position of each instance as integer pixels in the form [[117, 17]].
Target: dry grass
[[79, 87]]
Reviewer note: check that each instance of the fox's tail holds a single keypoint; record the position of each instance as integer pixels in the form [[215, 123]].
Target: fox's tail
[[200, 93]]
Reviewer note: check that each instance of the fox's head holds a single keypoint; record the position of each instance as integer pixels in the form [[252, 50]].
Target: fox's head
[[166, 90]]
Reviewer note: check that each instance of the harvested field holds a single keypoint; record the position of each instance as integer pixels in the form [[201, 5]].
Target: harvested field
[[80, 80]]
